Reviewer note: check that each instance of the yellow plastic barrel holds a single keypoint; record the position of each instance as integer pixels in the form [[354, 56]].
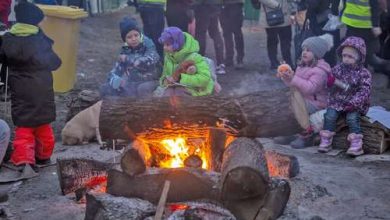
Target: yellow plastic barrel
[[62, 24]]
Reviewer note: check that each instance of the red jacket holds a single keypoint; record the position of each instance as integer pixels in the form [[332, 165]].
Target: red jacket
[[5, 7]]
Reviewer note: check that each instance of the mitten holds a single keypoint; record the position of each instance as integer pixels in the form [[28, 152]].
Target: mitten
[[115, 81], [330, 80]]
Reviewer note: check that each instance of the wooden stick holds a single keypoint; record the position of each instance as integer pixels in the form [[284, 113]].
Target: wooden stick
[[163, 200]]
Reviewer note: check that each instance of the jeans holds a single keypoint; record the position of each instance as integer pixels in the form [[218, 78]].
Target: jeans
[[232, 18], [352, 119], [154, 21], [4, 138]]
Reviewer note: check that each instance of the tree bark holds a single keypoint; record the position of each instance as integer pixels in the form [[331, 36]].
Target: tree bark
[[244, 172], [132, 163], [186, 185], [265, 113], [107, 207], [74, 174], [281, 165], [216, 143]]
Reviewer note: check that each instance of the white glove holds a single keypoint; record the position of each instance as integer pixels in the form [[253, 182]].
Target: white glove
[[376, 31]]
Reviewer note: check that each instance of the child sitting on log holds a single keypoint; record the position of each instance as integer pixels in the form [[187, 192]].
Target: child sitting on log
[[137, 70], [185, 71], [310, 80], [351, 101]]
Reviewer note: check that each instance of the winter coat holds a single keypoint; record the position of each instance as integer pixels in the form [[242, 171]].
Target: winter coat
[[198, 84], [30, 61], [311, 83], [5, 7], [357, 98], [269, 5], [141, 63]]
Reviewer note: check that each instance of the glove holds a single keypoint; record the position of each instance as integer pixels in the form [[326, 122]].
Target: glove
[[376, 31], [330, 81], [115, 81]]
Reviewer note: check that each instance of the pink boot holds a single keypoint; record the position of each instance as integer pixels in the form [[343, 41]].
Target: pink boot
[[356, 147], [326, 141]]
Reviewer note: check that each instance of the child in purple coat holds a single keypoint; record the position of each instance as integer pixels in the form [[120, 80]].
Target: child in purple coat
[[353, 100]]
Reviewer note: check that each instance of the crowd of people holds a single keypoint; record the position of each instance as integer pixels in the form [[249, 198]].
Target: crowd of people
[[171, 61]]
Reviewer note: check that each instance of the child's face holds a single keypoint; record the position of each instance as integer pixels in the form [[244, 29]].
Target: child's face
[[133, 38], [168, 48], [350, 55], [307, 55]]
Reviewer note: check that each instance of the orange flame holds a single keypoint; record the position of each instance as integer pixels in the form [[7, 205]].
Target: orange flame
[[179, 151]]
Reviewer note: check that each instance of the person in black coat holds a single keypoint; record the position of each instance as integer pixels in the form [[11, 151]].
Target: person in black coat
[[31, 59]]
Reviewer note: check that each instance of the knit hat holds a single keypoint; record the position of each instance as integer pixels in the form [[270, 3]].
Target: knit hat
[[319, 45], [126, 25], [28, 13], [173, 36]]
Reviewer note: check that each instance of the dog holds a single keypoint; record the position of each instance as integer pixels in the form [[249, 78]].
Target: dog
[[83, 127]]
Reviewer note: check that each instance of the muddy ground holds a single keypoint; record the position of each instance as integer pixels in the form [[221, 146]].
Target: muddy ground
[[328, 187]]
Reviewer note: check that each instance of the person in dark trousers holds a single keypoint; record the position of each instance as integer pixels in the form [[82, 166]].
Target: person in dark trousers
[[152, 15], [317, 14], [232, 18], [5, 8], [281, 32], [207, 14], [31, 60], [362, 20], [179, 14]]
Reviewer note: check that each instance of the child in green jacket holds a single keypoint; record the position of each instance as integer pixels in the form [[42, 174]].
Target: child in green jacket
[[185, 71]]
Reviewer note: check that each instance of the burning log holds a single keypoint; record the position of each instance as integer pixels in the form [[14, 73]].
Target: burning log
[[244, 171], [265, 113], [186, 184], [281, 165], [193, 161], [375, 136], [217, 143], [107, 207], [198, 210], [132, 163], [259, 208], [74, 174]]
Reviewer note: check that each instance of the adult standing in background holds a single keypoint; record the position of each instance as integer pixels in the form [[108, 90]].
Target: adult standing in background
[[317, 14], [232, 18], [281, 32], [179, 14], [207, 14], [362, 20], [152, 15]]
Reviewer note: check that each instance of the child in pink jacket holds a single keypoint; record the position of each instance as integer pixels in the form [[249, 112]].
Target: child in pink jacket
[[310, 79]]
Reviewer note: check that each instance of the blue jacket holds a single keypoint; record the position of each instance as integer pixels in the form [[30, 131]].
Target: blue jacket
[[141, 63]]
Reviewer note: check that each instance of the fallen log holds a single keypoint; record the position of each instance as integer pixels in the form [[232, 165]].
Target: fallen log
[[186, 184], [217, 143], [259, 208], [104, 206], [244, 172], [265, 113], [375, 136], [77, 173]]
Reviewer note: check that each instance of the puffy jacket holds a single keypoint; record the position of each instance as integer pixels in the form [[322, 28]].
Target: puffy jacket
[[357, 98], [30, 61], [200, 83], [311, 83], [141, 63]]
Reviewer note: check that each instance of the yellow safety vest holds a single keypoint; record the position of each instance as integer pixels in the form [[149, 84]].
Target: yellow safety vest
[[357, 13]]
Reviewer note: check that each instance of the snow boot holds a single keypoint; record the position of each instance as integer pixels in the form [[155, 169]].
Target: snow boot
[[356, 146], [326, 141]]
